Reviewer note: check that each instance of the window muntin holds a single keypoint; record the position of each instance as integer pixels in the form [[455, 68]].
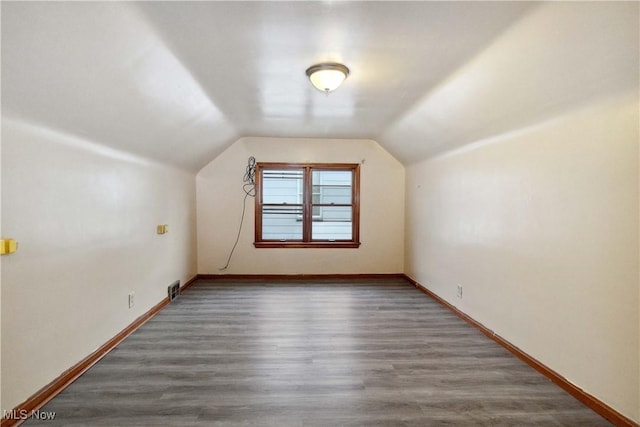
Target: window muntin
[[307, 205]]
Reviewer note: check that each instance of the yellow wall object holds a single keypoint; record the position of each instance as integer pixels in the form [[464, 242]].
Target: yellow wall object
[[8, 246], [162, 229], [108, 240]]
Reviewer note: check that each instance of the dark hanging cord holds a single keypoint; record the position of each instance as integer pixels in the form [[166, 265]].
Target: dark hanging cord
[[249, 178], [249, 188]]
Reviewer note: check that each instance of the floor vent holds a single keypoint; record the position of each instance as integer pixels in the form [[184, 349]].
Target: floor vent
[[174, 290]]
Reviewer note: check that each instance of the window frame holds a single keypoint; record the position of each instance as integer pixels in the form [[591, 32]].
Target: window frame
[[307, 206]]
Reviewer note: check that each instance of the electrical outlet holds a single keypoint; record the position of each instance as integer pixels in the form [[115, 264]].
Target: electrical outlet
[[131, 299], [459, 291]]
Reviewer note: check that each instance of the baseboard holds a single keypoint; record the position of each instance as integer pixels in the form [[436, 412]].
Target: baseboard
[[188, 283], [298, 276], [588, 400], [48, 392], [51, 390]]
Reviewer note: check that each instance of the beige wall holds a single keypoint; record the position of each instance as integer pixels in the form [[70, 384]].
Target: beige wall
[[85, 219], [1, 236], [540, 226], [219, 195]]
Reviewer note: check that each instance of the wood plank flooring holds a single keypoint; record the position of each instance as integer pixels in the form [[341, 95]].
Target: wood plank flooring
[[318, 353]]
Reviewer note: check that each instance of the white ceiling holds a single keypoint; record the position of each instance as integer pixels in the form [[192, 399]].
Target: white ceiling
[[180, 81]]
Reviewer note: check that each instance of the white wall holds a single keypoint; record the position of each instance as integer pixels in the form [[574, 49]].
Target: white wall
[[85, 219], [219, 195], [540, 226]]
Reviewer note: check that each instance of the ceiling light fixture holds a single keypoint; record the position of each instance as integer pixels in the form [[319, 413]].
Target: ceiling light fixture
[[328, 76]]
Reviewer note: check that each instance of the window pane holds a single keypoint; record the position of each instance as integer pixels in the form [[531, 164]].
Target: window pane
[[307, 205], [282, 186], [281, 222], [332, 187], [335, 224]]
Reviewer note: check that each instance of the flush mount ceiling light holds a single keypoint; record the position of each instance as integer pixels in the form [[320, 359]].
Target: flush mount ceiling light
[[328, 76]]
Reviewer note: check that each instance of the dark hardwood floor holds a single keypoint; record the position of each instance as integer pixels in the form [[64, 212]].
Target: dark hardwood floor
[[318, 353]]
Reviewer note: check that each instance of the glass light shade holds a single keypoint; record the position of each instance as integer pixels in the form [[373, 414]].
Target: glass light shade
[[327, 77]]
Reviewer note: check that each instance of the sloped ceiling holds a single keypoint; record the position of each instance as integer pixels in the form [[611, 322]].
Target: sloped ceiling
[[180, 81]]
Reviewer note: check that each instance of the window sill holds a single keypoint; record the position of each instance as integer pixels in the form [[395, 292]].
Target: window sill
[[344, 245]]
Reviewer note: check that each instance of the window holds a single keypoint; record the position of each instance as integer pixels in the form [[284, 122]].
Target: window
[[307, 205]]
